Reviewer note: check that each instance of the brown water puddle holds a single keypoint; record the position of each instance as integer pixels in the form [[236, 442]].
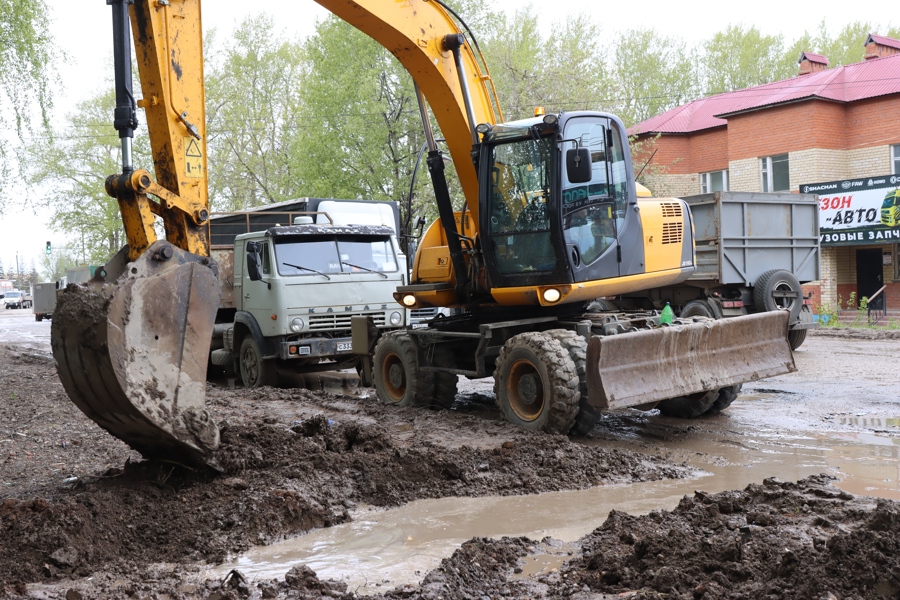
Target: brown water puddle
[[381, 549]]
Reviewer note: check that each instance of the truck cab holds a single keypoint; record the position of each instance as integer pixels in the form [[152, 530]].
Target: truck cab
[[291, 289], [890, 209]]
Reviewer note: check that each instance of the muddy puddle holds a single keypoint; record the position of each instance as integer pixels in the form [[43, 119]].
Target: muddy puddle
[[382, 549]]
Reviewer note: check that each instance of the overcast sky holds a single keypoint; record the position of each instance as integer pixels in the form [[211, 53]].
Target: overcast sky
[[83, 30]]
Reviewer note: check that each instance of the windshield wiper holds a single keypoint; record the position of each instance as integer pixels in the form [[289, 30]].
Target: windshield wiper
[[287, 264], [363, 268]]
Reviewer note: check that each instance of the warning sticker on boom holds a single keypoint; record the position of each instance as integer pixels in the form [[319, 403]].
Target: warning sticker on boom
[[193, 158]]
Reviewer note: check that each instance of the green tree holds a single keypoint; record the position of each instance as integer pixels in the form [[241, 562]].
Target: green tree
[[89, 148], [26, 64], [652, 74], [742, 57], [362, 133], [255, 112]]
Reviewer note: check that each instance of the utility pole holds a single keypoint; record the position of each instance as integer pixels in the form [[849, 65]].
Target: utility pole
[[18, 273]]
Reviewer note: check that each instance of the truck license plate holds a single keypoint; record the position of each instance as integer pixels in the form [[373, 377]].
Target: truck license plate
[[344, 346]]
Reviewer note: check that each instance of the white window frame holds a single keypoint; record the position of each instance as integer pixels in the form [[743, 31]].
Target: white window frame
[[705, 181], [767, 175], [895, 159]]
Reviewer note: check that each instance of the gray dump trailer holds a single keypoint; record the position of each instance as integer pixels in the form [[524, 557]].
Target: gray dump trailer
[[754, 251]]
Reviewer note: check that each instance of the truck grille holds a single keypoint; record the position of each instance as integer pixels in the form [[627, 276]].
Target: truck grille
[[672, 233], [338, 321], [671, 209]]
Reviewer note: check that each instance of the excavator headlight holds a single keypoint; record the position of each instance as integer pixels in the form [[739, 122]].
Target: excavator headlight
[[297, 324], [409, 300], [396, 318], [552, 295], [483, 128], [551, 119]]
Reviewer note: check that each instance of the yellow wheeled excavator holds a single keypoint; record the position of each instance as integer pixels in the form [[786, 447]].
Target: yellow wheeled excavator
[[551, 231]]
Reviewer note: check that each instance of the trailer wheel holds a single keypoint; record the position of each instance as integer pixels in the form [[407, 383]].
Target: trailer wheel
[[396, 370], [697, 308], [38, 318], [778, 289], [796, 337], [536, 383], [726, 396], [688, 407], [255, 371]]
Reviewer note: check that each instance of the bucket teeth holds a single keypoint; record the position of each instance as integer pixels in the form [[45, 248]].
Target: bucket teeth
[[132, 353]]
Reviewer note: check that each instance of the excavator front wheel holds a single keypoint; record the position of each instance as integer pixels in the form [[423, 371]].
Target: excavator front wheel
[[536, 383], [396, 370]]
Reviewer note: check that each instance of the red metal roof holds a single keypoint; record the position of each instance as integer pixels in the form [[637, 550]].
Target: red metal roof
[[816, 58], [884, 41], [868, 79]]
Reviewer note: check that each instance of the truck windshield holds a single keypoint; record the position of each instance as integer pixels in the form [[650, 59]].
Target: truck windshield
[[519, 206], [13, 294], [307, 257]]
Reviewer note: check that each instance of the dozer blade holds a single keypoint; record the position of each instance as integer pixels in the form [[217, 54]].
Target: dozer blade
[[132, 351], [646, 366]]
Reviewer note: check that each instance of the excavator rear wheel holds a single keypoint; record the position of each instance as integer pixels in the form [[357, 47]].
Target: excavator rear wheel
[[439, 387], [536, 383], [255, 370], [396, 370]]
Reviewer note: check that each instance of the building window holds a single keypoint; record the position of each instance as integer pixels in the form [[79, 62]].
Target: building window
[[895, 159], [775, 173], [714, 181]]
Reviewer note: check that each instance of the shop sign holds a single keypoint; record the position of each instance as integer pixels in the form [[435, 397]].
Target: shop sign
[[858, 211]]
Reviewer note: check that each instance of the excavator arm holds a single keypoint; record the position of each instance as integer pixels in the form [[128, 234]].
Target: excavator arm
[[131, 345]]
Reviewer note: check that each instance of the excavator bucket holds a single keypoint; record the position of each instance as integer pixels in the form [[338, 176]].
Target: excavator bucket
[[646, 366], [132, 351]]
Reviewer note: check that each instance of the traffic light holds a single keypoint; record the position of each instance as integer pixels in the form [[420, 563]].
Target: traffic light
[[48, 248]]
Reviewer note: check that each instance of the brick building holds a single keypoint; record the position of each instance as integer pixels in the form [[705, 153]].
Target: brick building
[[834, 132]]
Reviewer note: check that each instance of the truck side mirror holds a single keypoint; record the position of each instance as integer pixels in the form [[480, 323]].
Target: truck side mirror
[[253, 261], [578, 165]]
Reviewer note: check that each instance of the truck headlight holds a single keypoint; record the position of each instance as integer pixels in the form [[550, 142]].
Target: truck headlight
[[297, 324], [396, 318]]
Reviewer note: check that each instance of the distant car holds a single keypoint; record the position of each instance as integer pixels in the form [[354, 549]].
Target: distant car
[[16, 299]]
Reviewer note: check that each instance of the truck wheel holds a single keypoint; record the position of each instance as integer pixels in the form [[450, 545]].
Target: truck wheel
[[726, 396], [796, 337], [688, 407], [255, 372], [697, 308], [536, 383], [38, 318], [395, 370], [576, 346], [778, 289]]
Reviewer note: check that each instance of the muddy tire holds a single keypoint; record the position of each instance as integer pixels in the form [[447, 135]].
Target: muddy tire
[[697, 308], [395, 370], [726, 396], [255, 371], [796, 337], [778, 289], [576, 346], [688, 407], [536, 383], [439, 388]]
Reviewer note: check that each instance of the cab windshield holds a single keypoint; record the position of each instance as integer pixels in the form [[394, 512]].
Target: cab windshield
[[890, 201], [519, 211], [328, 255]]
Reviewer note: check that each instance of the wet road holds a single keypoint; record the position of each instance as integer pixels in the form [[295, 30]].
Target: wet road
[[839, 415]]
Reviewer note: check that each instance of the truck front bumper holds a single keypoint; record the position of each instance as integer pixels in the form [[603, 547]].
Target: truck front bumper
[[316, 348]]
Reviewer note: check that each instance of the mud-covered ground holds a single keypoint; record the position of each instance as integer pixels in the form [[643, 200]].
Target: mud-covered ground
[[82, 516]]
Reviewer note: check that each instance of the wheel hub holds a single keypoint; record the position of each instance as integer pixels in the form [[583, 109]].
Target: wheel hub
[[525, 390]]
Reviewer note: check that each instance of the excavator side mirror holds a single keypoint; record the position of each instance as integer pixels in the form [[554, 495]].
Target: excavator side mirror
[[253, 262], [578, 165]]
